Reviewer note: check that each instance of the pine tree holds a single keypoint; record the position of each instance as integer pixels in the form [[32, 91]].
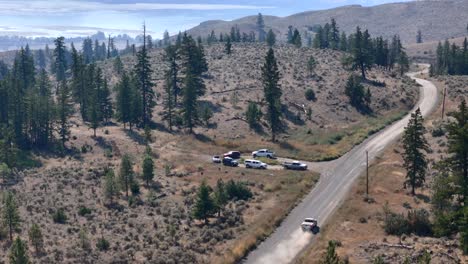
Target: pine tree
[[261, 28], [272, 93], [19, 252], [148, 169], [136, 109], [331, 257], [290, 35], [64, 111], [166, 38], [458, 148], [334, 35], [87, 49], [414, 144], [204, 204], [228, 46], [105, 102], [343, 42], [11, 218], [118, 65], [220, 196], [296, 39], [193, 65], [419, 37], [36, 238], [318, 39], [110, 186], [45, 111], [60, 62], [361, 56], [171, 86], [145, 84], [124, 99], [356, 94], [126, 173]]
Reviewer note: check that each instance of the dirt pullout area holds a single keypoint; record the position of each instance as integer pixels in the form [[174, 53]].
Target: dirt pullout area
[[357, 225]]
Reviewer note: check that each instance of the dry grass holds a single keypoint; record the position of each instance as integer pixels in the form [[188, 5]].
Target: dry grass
[[358, 225]]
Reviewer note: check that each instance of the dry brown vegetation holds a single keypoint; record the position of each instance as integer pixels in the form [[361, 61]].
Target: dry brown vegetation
[[358, 225], [158, 228], [335, 126], [152, 228]]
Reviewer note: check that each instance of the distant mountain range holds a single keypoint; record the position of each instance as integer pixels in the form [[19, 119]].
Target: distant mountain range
[[437, 20], [15, 42]]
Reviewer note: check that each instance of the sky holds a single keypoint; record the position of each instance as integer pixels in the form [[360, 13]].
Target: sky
[[51, 18]]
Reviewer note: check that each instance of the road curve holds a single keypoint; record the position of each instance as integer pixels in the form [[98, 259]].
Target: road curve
[[336, 180]]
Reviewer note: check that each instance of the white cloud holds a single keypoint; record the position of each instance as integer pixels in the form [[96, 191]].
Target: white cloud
[[70, 6]]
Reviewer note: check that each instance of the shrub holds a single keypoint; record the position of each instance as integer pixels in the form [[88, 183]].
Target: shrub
[[310, 95], [253, 114], [135, 188], [438, 131], [102, 244], [84, 211], [419, 223], [59, 216], [238, 190]]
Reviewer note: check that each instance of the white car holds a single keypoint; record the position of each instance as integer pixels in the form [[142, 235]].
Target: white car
[[216, 159], [311, 225], [264, 153], [255, 164]]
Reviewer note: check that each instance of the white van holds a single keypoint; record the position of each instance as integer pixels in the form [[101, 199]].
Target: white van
[[255, 164]]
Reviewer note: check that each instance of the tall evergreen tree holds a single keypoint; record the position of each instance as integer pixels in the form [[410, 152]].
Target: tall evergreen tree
[[126, 173], [64, 111], [361, 57], [271, 38], [19, 252], [193, 65], [334, 35], [272, 92], [148, 169], [228, 46], [124, 99], [414, 144], [204, 204], [261, 28], [145, 83], [36, 238], [171, 86], [11, 218], [60, 62], [110, 186], [458, 148]]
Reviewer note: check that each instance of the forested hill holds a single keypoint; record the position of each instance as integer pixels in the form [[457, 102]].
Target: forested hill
[[437, 20]]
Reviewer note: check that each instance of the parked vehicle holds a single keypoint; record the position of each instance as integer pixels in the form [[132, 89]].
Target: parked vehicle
[[295, 165], [228, 161], [264, 153], [216, 159], [310, 225], [233, 154], [255, 164]]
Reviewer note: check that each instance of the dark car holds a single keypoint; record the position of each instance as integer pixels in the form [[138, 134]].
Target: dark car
[[233, 154], [228, 161]]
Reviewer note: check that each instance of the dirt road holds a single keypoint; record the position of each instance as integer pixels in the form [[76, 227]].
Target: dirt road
[[335, 182]]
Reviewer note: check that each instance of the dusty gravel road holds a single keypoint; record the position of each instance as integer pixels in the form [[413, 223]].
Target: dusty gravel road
[[336, 179]]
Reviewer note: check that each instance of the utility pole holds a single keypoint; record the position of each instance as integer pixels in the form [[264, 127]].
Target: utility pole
[[443, 103], [367, 174]]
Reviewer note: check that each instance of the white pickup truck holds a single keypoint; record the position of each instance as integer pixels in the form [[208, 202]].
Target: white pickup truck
[[310, 225], [295, 165], [264, 153]]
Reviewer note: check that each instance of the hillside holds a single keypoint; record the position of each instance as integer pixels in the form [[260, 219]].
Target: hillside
[[234, 81], [436, 19]]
